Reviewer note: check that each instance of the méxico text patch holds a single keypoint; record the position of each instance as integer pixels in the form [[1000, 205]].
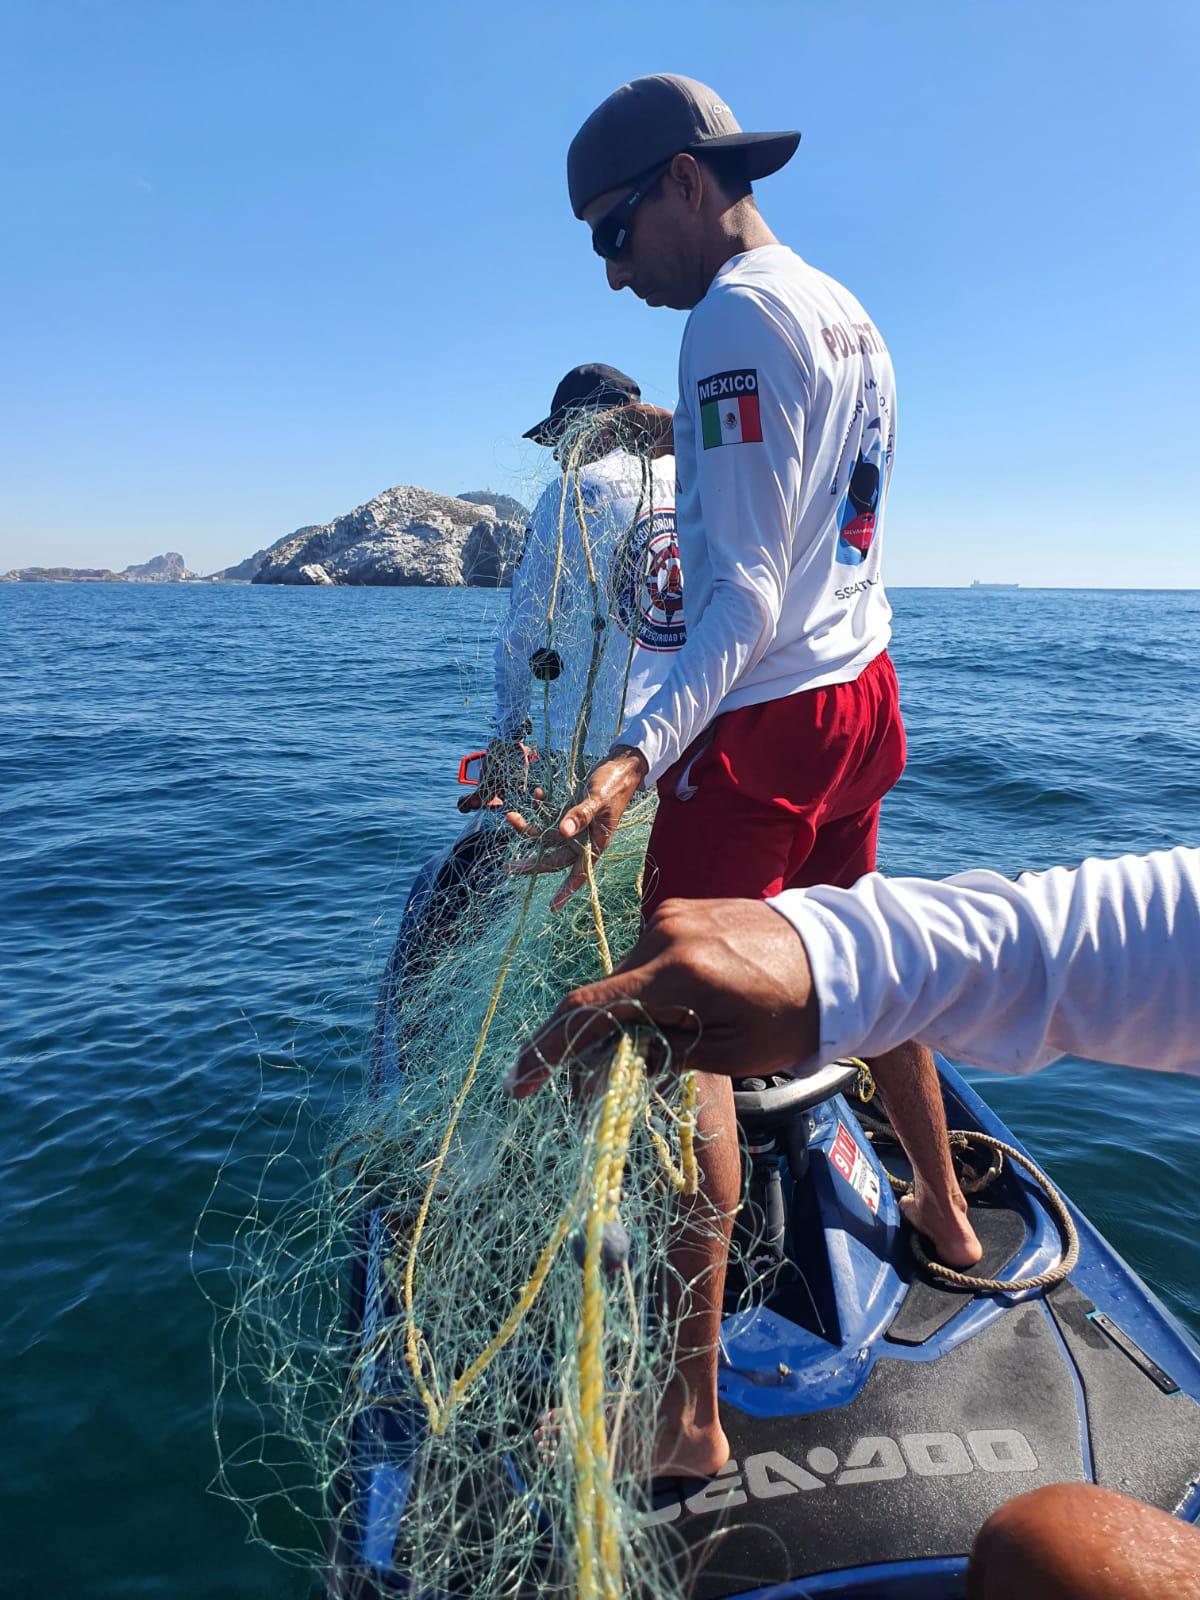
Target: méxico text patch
[[729, 408]]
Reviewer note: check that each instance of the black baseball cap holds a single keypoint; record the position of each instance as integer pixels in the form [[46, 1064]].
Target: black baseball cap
[[647, 121], [592, 387]]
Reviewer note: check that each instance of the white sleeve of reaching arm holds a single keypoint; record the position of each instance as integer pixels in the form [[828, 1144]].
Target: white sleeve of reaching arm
[[1102, 961], [748, 497]]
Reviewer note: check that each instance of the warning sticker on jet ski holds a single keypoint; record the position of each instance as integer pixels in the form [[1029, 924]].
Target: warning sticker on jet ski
[[855, 1168]]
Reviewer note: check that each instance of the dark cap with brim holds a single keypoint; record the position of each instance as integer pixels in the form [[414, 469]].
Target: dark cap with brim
[[592, 387], [646, 122]]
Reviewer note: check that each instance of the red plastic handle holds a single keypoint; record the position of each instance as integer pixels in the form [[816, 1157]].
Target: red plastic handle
[[470, 768]]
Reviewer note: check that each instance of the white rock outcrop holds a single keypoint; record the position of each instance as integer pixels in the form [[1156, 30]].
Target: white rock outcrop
[[404, 536]]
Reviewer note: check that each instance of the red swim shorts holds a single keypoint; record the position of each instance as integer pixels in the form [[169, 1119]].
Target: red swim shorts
[[779, 795]]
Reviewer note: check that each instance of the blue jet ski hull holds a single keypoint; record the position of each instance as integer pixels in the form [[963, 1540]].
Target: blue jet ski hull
[[876, 1419], [880, 1453]]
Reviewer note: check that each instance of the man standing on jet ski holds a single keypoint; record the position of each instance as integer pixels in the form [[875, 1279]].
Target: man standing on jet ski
[[777, 730], [597, 425]]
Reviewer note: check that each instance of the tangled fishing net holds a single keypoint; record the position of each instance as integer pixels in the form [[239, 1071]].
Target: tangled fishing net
[[457, 1265]]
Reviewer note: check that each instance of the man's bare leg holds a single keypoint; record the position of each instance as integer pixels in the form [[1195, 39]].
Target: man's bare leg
[[690, 1438], [908, 1081], [691, 1441], [1072, 1541]]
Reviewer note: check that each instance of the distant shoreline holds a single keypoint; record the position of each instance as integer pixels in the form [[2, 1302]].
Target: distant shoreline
[[245, 583]]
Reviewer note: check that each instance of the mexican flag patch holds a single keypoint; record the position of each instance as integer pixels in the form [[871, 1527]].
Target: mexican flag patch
[[729, 408]]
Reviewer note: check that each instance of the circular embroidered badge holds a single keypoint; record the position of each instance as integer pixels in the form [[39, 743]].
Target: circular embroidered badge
[[650, 585]]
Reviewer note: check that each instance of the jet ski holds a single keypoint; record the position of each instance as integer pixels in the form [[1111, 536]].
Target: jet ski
[[877, 1414]]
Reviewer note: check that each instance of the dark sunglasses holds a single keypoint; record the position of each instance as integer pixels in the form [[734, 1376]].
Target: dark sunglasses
[[611, 233]]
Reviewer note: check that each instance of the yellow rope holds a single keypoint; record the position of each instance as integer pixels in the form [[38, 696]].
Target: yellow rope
[[864, 1088], [596, 1534], [589, 866], [684, 1178], [622, 1097], [523, 1303], [412, 1334], [687, 1135], [597, 1552]]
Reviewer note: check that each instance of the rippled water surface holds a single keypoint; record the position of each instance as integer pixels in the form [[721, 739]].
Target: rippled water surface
[[211, 803]]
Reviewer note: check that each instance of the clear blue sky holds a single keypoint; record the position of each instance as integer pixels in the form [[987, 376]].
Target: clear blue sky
[[262, 260]]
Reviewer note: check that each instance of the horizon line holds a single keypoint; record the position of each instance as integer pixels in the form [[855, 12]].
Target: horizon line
[[212, 580]]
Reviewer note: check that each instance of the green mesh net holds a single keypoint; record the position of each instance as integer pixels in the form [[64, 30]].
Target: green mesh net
[[445, 1319]]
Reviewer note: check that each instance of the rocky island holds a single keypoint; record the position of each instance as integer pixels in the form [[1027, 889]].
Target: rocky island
[[168, 568], [404, 537]]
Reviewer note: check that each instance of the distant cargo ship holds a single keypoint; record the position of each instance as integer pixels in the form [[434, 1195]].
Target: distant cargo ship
[[975, 584]]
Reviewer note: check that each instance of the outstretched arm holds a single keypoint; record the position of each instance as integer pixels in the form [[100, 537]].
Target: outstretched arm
[[1101, 961]]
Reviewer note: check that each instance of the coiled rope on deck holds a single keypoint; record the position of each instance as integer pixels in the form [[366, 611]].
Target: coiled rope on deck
[[960, 1139], [965, 1139]]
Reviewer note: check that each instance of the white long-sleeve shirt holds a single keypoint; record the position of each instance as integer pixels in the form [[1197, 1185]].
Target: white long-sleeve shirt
[[1100, 961], [784, 438], [639, 599]]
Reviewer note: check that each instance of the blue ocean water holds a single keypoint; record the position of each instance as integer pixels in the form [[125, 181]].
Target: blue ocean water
[[212, 801]]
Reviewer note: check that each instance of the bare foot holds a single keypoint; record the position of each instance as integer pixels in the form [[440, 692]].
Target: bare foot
[[949, 1231]]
